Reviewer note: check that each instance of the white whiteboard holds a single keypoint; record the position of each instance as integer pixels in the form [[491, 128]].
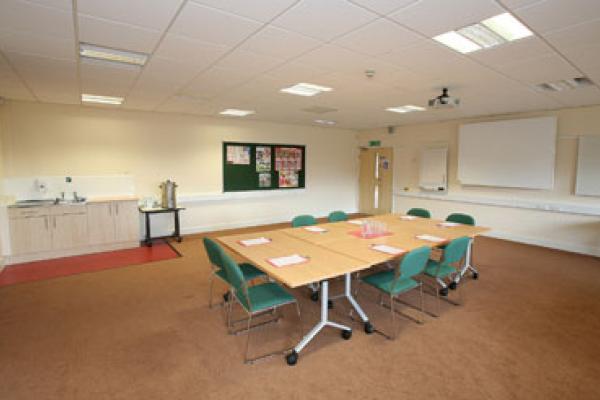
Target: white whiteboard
[[588, 166], [514, 153], [434, 169]]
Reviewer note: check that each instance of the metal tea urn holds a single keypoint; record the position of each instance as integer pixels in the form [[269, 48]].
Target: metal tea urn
[[169, 197]]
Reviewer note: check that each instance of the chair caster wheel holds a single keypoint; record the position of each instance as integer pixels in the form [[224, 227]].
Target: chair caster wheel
[[369, 328], [475, 275], [452, 286], [292, 358], [346, 334], [226, 297], [314, 296], [330, 304], [444, 292]]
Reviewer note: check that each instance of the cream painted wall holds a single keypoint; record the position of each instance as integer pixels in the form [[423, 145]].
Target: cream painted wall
[[560, 230], [48, 139]]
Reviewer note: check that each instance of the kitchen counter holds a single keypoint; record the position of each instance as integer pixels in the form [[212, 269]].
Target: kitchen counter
[[53, 203]]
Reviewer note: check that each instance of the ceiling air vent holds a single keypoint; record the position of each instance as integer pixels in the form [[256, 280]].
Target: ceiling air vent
[[319, 110], [566, 84]]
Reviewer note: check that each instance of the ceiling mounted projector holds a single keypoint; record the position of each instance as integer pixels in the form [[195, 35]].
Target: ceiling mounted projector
[[444, 101]]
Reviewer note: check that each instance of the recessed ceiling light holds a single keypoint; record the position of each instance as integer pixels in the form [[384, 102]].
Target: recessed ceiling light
[[405, 109], [107, 54], [325, 122], [507, 26], [457, 42], [482, 36], [92, 98], [306, 89], [234, 112], [566, 84]]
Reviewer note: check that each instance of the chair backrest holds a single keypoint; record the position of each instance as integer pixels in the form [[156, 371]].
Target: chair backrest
[[303, 220], [414, 262], [337, 216], [455, 250], [464, 219], [212, 249], [236, 278], [419, 212]]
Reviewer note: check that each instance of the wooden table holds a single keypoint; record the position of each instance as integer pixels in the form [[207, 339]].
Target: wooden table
[[338, 252]]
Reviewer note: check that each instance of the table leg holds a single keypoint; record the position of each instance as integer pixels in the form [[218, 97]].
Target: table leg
[[467, 266], [348, 293], [346, 331], [148, 240], [177, 233]]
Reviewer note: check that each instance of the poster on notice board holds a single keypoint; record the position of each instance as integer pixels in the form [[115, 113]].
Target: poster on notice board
[[288, 179], [238, 155], [263, 159], [288, 159]]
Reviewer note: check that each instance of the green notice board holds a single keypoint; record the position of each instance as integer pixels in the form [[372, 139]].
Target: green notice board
[[263, 166]]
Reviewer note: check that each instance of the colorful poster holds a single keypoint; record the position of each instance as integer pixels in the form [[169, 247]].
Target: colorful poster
[[238, 155], [288, 159], [263, 159], [264, 180], [288, 179]]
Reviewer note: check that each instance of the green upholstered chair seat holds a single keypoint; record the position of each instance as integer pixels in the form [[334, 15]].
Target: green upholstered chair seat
[[249, 271], [268, 295], [337, 216], [384, 281], [438, 270]]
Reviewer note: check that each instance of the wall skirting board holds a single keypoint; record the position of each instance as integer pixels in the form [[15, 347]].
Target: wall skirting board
[[572, 248]]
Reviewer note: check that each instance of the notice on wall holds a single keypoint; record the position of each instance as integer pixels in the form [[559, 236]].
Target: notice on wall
[[288, 159], [264, 180], [238, 155], [288, 179], [263, 159]]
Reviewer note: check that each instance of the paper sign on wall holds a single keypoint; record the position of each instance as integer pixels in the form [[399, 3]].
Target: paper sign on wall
[[238, 155]]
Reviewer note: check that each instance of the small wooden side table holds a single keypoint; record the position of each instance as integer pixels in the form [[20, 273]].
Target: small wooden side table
[[149, 211]]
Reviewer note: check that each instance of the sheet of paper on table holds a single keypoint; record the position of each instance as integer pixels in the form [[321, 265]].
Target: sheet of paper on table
[[384, 248], [408, 217], [431, 238], [287, 260], [255, 242], [356, 222], [448, 224], [316, 229]]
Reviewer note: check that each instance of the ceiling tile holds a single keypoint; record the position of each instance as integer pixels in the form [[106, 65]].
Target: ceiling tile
[[116, 34], [212, 26], [215, 82], [66, 5], [153, 14], [383, 6], [332, 58], [42, 45], [252, 63], [378, 37], [551, 15], [181, 104], [294, 72], [579, 44], [324, 20], [189, 51], [20, 16], [168, 71], [539, 70], [432, 17], [514, 4], [263, 11], [107, 79], [578, 97], [508, 53], [279, 43], [11, 86]]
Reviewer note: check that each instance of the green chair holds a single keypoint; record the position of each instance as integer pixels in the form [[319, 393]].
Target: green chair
[[337, 216], [401, 280], [255, 300], [303, 220], [249, 271], [459, 218], [419, 212], [454, 252]]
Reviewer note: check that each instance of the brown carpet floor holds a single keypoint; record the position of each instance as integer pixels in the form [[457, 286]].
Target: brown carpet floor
[[529, 329]]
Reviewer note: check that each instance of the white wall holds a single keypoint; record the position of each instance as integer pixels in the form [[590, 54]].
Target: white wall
[[62, 140], [563, 230]]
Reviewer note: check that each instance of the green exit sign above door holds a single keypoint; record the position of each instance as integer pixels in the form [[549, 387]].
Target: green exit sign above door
[[374, 143]]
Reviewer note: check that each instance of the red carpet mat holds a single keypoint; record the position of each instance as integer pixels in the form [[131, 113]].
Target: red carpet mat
[[58, 267]]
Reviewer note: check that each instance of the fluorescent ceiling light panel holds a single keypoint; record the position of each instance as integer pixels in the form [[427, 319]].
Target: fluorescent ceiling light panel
[[482, 36], [457, 42], [306, 89], [507, 26], [234, 112], [405, 109], [92, 98], [107, 54], [325, 122]]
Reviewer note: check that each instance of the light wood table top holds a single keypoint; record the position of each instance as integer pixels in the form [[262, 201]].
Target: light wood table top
[[323, 263]]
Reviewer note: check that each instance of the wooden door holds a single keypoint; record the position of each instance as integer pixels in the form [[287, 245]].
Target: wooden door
[[101, 223], [69, 231], [376, 180], [127, 221], [30, 234]]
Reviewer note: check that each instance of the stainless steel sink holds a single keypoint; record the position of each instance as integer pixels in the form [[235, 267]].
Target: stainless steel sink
[[46, 202]]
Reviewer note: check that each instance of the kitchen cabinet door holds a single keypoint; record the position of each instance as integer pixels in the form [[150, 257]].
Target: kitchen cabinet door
[[69, 231], [30, 234], [101, 223], [127, 221]]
